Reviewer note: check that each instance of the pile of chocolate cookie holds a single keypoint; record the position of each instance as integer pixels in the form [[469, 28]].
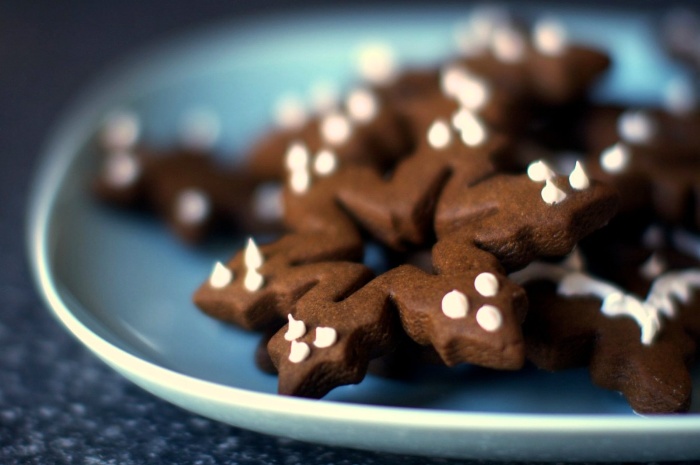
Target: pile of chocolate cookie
[[498, 245]]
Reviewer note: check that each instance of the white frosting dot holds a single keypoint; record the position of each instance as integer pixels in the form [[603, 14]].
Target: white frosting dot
[[252, 257], [297, 156], [253, 280], [325, 162], [336, 129], [299, 352], [475, 35], [325, 337], [473, 93], [377, 63], [578, 178], [451, 79], [300, 181], [290, 112], [489, 318], [439, 135], [615, 158], [471, 128], [121, 130], [362, 106], [551, 194], [121, 169], [539, 171], [486, 284], [455, 304], [192, 206], [221, 276], [508, 45], [295, 328], [636, 127], [550, 37]]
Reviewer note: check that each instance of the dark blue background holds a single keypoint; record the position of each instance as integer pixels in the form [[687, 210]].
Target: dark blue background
[[58, 403]]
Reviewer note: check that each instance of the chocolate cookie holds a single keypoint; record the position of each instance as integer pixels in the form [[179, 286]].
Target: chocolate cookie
[[640, 346], [193, 193]]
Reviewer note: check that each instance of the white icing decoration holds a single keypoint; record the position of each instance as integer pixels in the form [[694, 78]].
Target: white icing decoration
[[221, 276], [486, 284], [297, 156], [297, 162], [615, 302], [680, 97], [674, 284], [653, 267], [489, 318], [550, 37], [252, 257], [507, 44], [377, 63], [475, 35], [362, 106], [551, 194], [325, 337], [121, 169], [452, 78], [577, 283], [539, 171], [636, 127], [647, 318], [471, 128], [473, 93], [121, 130], [295, 329], [299, 352], [325, 162], [455, 304], [439, 135], [200, 128], [615, 158], [335, 128], [578, 178], [253, 280], [300, 181], [539, 270], [192, 206], [290, 112]]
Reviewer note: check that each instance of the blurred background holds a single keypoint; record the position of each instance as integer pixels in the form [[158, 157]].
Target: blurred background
[[58, 404]]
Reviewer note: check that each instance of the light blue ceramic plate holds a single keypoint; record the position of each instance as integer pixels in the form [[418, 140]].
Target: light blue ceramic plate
[[121, 284]]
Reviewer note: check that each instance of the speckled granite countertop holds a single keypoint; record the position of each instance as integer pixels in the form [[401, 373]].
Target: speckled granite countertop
[[58, 403]]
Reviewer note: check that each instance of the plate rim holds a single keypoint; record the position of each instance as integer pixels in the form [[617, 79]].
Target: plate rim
[[61, 152]]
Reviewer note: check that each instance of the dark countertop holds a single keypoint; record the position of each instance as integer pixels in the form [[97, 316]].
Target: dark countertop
[[58, 403]]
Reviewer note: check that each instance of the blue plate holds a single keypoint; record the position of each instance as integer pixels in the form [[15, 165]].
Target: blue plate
[[122, 285]]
